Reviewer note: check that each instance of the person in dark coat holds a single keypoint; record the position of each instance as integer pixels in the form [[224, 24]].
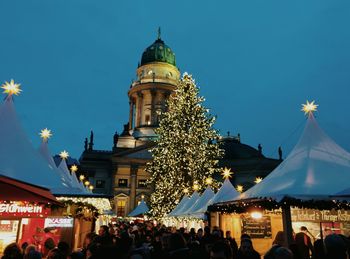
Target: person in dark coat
[[304, 244], [246, 250]]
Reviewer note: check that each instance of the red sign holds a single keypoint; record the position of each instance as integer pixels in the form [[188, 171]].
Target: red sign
[[21, 209]]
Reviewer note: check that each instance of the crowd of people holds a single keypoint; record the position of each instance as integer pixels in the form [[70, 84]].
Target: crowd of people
[[126, 240]]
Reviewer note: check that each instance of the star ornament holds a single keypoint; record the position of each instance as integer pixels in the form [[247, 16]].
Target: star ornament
[[239, 188], [258, 180], [64, 154], [73, 168], [209, 181], [45, 134], [309, 108], [227, 173], [11, 88]]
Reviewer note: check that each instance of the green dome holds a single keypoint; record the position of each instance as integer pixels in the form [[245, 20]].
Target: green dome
[[158, 52]]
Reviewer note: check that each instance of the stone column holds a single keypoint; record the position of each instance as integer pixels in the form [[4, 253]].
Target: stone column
[[131, 113], [139, 109], [153, 108], [133, 186]]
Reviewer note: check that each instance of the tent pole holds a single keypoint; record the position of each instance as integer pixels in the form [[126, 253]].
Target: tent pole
[[287, 224]]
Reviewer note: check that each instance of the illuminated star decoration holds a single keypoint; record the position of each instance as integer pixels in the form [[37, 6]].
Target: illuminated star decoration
[[81, 177], [73, 168], [195, 186], [186, 190], [258, 180], [87, 183], [11, 88], [209, 181], [309, 108], [240, 188], [227, 173], [91, 187], [64, 154], [45, 134]]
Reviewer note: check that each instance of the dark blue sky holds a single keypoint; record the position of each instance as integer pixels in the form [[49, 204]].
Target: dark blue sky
[[255, 61]]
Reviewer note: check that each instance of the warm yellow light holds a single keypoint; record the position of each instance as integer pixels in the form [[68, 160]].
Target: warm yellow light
[[142, 196], [240, 188], [309, 107], [227, 173], [186, 190], [45, 134], [11, 88], [73, 168], [258, 180], [81, 177], [91, 187], [87, 183], [256, 215], [64, 154], [195, 187], [209, 181]]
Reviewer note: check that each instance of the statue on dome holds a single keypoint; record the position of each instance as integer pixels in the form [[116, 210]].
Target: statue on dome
[[91, 144], [260, 149], [115, 139], [86, 144], [280, 153]]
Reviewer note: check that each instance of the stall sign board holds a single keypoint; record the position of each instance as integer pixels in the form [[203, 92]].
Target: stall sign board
[[257, 228], [23, 210], [59, 222], [309, 215]]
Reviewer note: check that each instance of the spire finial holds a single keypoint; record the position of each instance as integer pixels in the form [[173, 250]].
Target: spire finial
[[158, 33]]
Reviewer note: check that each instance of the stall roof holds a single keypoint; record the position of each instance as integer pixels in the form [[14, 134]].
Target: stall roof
[[19, 159], [187, 205], [316, 166], [182, 203], [226, 193], [141, 209], [201, 204], [15, 190]]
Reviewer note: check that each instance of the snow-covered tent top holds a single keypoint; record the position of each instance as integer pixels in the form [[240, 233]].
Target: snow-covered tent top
[[183, 201], [201, 204], [316, 167], [141, 209], [226, 193], [19, 159], [187, 205]]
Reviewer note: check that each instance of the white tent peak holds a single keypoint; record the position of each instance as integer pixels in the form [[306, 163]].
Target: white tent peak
[[187, 205], [202, 202], [226, 193], [183, 201], [141, 209], [316, 166]]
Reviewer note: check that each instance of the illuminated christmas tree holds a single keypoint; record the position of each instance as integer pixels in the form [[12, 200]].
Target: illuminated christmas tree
[[187, 152]]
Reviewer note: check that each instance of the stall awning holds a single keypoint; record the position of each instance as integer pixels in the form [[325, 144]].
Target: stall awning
[[15, 190]]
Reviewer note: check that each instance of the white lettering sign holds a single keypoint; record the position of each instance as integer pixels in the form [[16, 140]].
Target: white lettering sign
[[14, 208], [58, 222]]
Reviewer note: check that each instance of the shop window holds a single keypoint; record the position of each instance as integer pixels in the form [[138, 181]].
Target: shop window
[[121, 204], [123, 182], [100, 184], [142, 183]]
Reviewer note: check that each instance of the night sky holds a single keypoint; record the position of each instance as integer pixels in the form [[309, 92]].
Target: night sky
[[256, 62]]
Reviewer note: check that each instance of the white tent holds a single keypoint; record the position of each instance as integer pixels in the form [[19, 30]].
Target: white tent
[[183, 201], [141, 209], [71, 177], [45, 153], [226, 193], [316, 167], [200, 207], [19, 159], [189, 204]]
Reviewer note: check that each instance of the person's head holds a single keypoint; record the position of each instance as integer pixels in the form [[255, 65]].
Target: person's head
[[55, 254], [303, 229], [89, 238], [245, 236], [49, 244], [246, 246], [228, 234], [279, 239], [207, 230], [33, 254], [64, 247], [200, 233], [335, 246], [103, 230], [283, 253], [76, 255], [176, 241], [221, 250], [13, 251]]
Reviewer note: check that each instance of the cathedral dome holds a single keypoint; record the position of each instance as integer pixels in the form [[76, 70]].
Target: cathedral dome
[[234, 149], [158, 52]]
